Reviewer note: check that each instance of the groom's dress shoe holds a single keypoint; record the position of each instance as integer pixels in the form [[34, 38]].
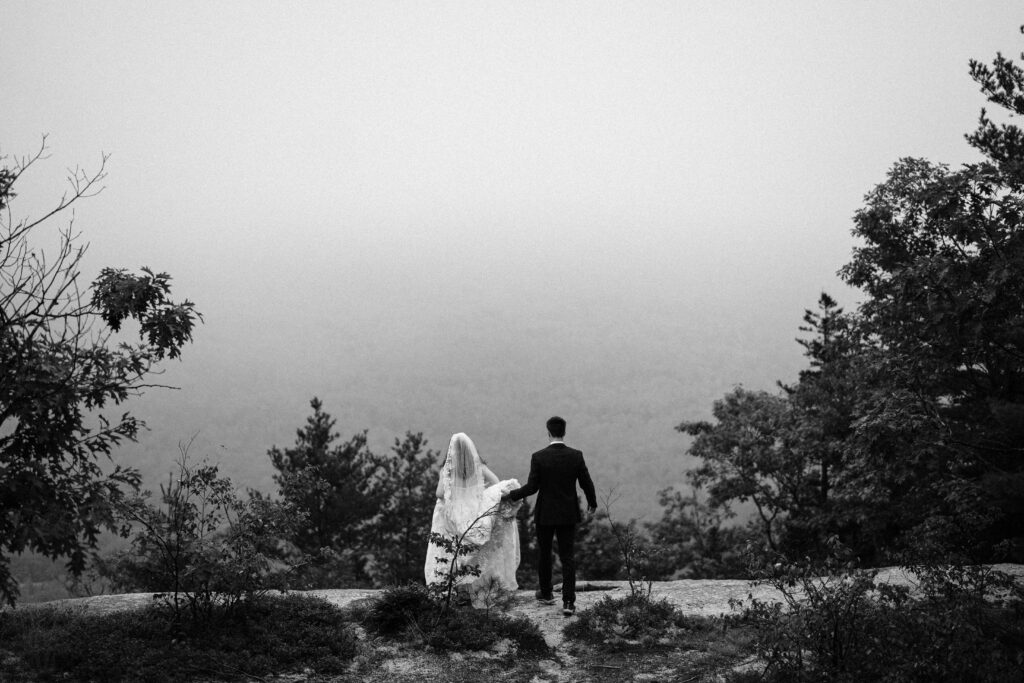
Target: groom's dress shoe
[[568, 608], [544, 599]]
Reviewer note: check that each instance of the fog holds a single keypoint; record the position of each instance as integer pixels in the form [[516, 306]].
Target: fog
[[469, 216]]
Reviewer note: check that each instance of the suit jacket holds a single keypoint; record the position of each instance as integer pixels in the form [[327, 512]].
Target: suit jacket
[[554, 472]]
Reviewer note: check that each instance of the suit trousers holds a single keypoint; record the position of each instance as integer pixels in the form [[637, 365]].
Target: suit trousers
[[566, 534]]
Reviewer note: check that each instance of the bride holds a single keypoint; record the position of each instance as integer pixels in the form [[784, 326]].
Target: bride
[[468, 492]]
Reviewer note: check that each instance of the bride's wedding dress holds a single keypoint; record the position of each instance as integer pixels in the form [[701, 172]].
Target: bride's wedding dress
[[469, 497]]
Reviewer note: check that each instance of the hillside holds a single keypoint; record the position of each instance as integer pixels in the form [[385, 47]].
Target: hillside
[[623, 385]]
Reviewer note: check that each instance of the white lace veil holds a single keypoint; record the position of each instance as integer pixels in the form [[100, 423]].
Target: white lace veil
[[463, 482]]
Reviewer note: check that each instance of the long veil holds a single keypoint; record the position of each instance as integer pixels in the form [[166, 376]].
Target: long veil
[[463, 483]]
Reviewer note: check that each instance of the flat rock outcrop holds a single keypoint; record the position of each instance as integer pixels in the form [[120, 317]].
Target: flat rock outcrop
[[698, 597]]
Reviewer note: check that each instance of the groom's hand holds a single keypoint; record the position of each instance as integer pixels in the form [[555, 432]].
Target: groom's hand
[[590, 512]]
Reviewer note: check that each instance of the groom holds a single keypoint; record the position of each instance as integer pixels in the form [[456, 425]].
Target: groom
[[554, 472]]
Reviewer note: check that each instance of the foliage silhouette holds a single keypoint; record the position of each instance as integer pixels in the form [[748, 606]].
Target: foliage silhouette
[[909, 420], [837, 623], [60, 373]]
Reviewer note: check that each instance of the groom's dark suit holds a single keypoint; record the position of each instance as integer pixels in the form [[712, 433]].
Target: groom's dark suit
[[554, 472]]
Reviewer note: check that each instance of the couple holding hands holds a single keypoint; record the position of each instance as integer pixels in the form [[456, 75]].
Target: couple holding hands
[[470, 497]]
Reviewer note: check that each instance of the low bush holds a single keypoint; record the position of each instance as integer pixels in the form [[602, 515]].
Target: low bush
[[472, 629], [837, 624], [397, 607], [413, 614], [631, 621], [280, 635]]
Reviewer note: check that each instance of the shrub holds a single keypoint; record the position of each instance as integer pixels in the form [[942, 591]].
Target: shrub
[[203, 547], [281, 635], [472, 629], [836, 623], [413, 613], [398, 607], [823, 619], [634, 620]]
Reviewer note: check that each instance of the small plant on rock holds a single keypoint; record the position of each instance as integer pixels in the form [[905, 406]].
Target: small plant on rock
[[639, 559], [451, 570], [454, 564], [635, 619]]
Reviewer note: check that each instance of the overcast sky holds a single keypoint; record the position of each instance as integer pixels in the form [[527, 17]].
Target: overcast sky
[[345, 189]]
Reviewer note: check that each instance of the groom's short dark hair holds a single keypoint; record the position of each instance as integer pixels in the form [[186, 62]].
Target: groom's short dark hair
[[556, 427]]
